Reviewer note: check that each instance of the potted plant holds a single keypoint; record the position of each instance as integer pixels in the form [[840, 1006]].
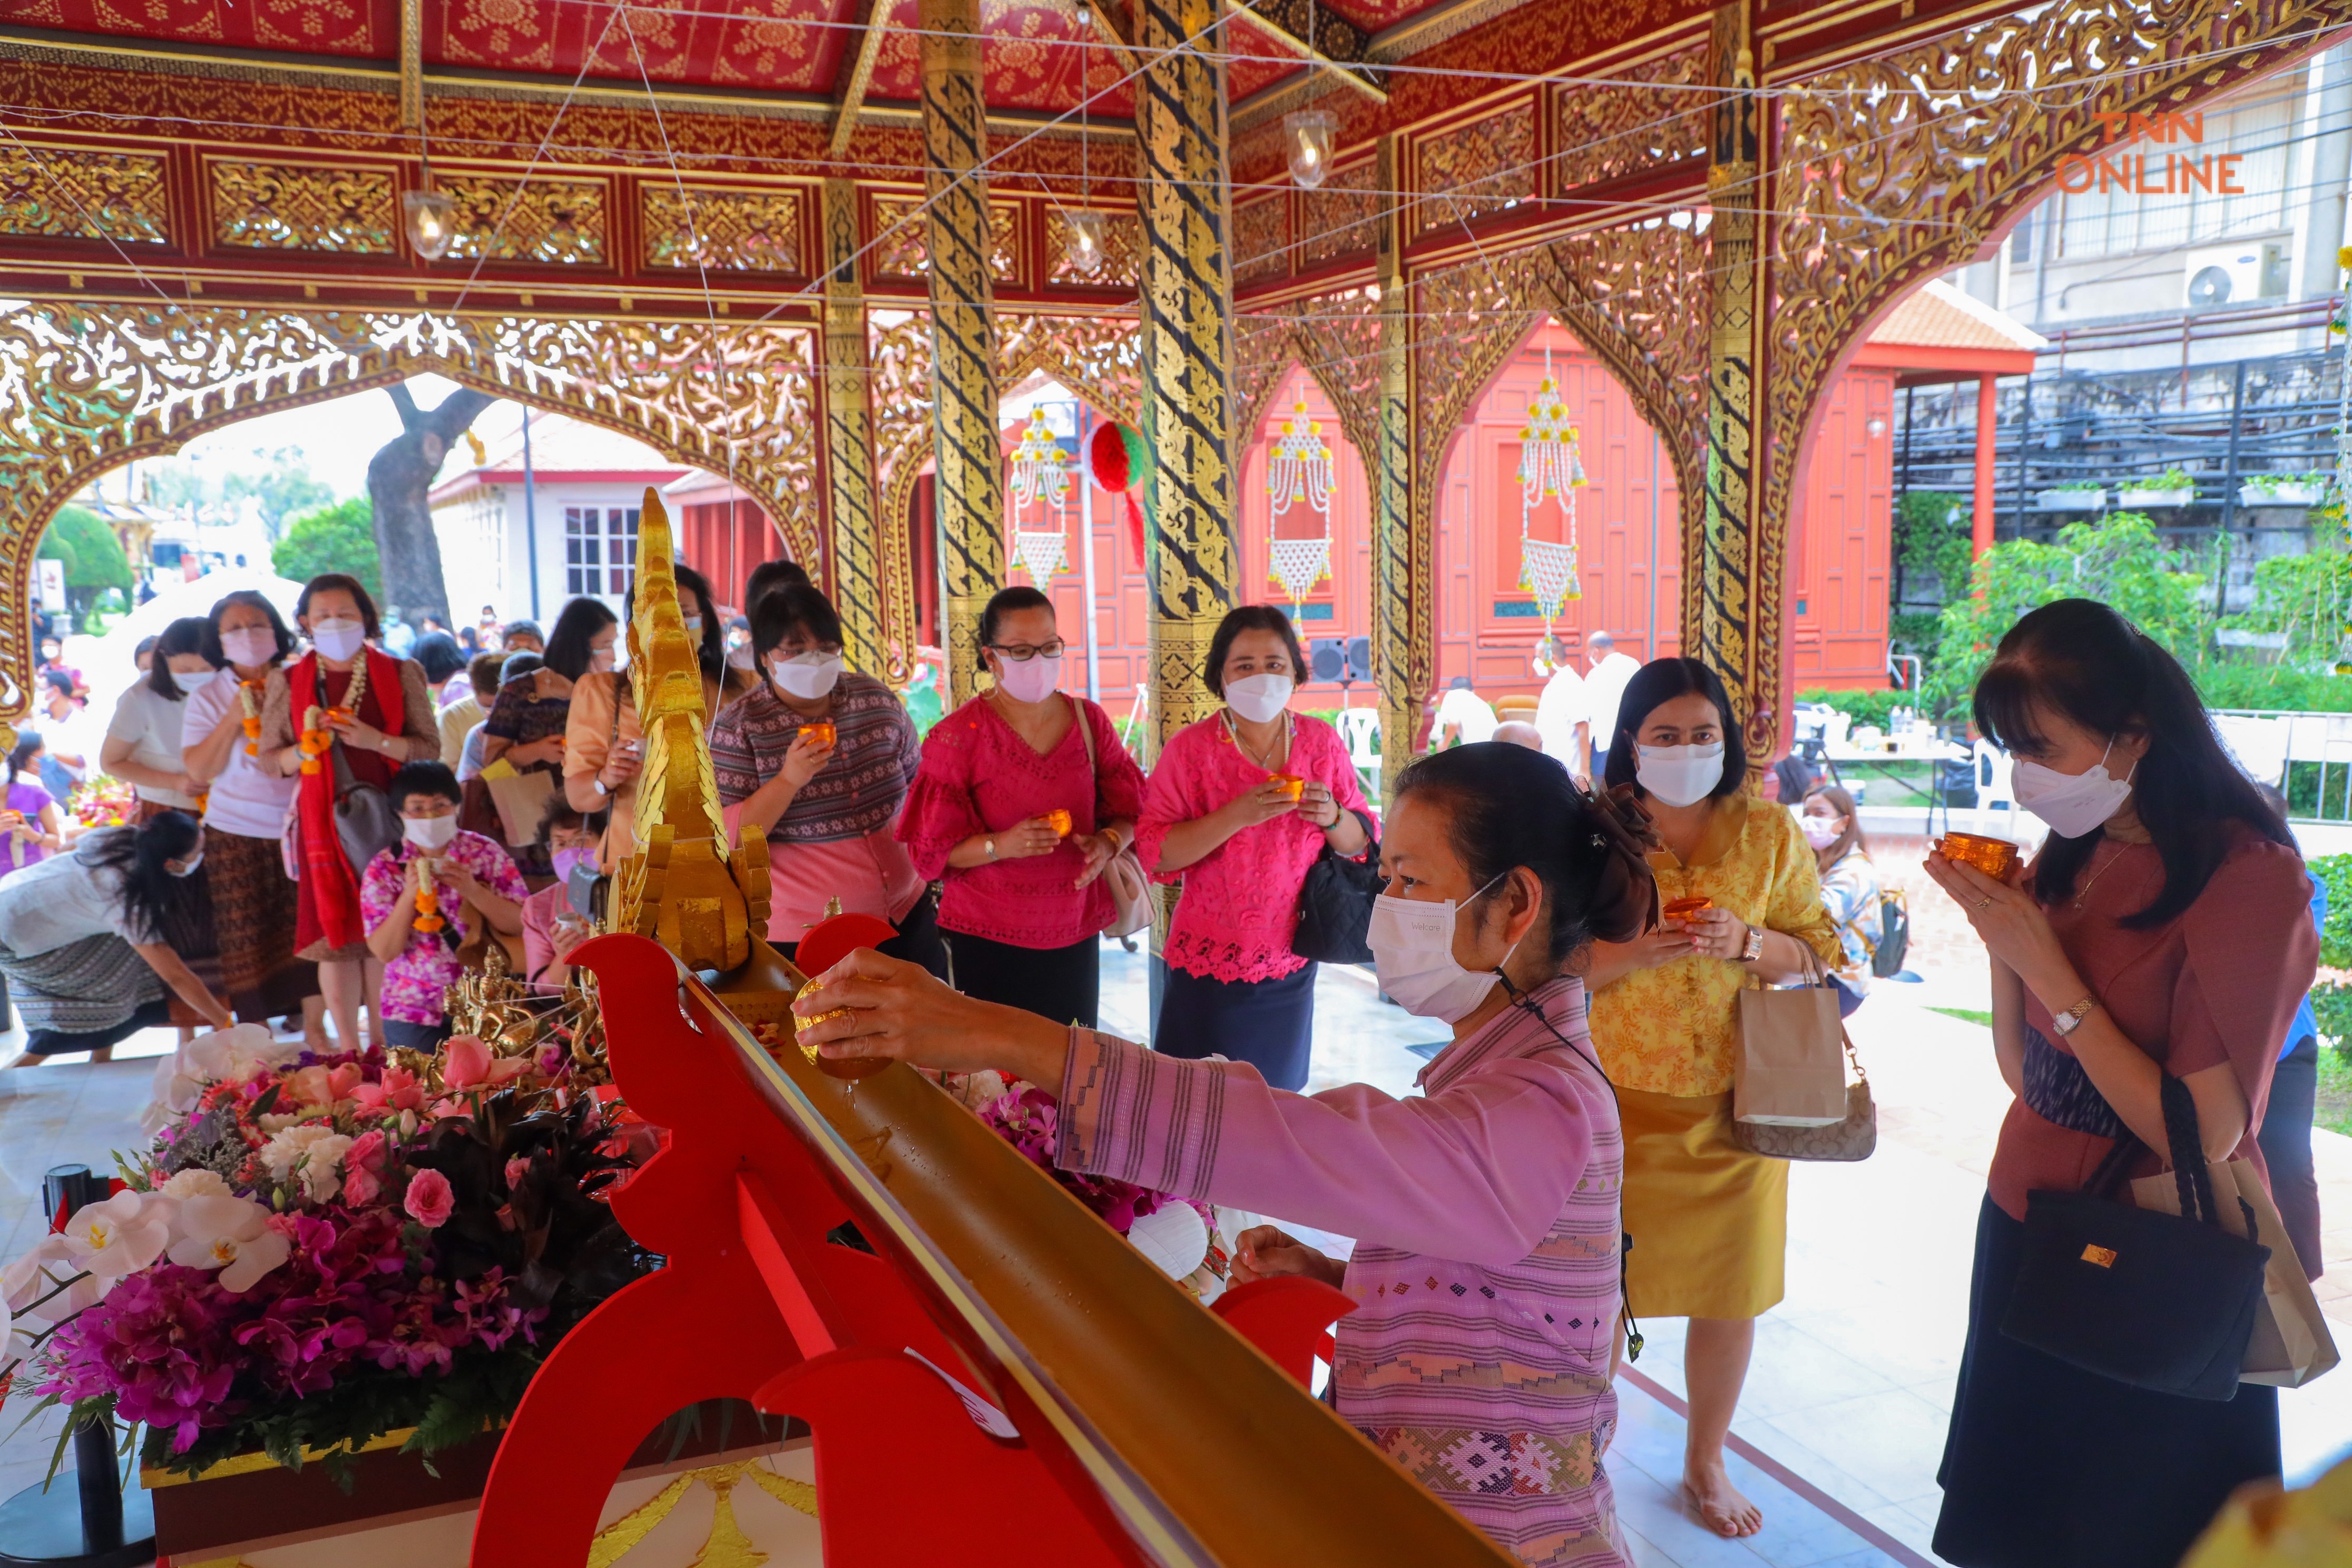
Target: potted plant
[[2281, 489], [2173, 486], [2074, 495]]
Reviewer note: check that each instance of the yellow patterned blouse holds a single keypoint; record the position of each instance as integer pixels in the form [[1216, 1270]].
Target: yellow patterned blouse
[[1674, 1029]]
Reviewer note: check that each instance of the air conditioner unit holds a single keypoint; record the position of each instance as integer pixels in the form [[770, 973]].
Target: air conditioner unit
[[2224, 275]]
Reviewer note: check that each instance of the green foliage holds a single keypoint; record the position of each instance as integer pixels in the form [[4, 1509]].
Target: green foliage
[[2307, 596], [1862, 707], [2170, 480], [2336, 936], [2236, 685], [1933, 541], [2119, 560], [1915, 632], [2334, 1109], [338, 538], [93, 556]]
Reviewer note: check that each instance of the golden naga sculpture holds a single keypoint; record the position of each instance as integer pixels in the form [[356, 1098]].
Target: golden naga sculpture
[[686, 887]]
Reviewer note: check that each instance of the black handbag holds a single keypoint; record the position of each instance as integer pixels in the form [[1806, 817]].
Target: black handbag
[[1335, 904], [2157, 1300]]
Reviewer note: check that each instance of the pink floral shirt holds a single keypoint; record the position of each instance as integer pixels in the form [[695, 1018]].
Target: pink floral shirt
[[420, 972], [979, 775], [1240, 904]]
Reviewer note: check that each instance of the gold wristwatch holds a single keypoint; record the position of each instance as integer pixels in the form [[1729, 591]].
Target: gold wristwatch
[[2066, 1023]]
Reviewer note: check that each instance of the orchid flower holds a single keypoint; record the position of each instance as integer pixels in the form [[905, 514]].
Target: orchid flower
[[122, 1234], [231, 1235]]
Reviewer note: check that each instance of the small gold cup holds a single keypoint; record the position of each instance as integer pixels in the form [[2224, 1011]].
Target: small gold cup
[[1993, 857]]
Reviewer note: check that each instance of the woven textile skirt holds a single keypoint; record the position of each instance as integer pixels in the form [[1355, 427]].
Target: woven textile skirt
[[87, 987], [1710, 1220], [255, 906]]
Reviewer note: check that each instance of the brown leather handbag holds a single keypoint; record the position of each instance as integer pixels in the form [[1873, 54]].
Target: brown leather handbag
[[1855, 1138]]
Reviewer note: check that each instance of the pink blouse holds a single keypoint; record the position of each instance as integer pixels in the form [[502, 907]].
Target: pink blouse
[[1240, 905], [979, 775]]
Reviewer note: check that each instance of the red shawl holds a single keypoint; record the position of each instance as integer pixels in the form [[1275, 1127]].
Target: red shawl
[[335, 886]]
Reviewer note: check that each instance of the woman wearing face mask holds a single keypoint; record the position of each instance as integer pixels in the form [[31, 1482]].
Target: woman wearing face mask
[[822, 758], [471, 878], [1710, 1220], [530, 721], [1239, 807], [142, 744], [2162, 930], [90, 939], [1486, 1275], [373, 713], [1021, 901], [254, 904], [602, 747], [1850, 890], [552, 924]]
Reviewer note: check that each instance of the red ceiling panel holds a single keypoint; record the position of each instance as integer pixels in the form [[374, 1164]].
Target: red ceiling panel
[[780, 46], [303, 26]]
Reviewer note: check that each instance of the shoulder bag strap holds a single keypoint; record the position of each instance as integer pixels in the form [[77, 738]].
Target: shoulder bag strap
[[1093, 767], [2194, 1182]]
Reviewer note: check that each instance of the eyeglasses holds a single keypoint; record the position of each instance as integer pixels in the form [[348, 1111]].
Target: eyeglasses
[[1023, 655]]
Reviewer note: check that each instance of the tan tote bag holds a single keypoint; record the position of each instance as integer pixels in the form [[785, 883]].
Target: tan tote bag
[[2291, 1345], [1130, 889], [1791, 1068]]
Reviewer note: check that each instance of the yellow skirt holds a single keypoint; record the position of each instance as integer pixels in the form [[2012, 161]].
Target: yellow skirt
[[1710, 1220]]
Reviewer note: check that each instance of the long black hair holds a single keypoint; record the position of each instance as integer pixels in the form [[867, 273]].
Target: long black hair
[[28, 746], [1663, 680], [189, 634], [2080, 659], [1508, 806], [568, 653], [162, 907]]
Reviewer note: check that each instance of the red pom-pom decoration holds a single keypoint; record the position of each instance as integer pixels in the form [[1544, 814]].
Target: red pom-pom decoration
[[1118, 459]]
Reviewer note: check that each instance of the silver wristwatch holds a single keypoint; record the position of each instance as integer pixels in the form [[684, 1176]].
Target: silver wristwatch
[[1754, 949]]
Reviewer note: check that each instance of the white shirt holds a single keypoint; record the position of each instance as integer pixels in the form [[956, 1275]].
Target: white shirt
[[1559, 711], [60, 900], [151, 722], [1464, 707], [244, 800], [1605, 689]]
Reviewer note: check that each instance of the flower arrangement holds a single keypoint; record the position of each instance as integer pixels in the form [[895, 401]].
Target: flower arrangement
[[316, 1250], [103, 801]]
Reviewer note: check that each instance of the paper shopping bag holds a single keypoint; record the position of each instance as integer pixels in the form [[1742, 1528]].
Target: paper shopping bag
[[521, 799], [1791, 1068], [2291, 1345]]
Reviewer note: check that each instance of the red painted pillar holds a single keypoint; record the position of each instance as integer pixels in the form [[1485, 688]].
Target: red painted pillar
[[1987, 425]]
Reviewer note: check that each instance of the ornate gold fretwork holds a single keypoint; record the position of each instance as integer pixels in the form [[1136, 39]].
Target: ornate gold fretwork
[[1262, 237], [1122, 263], [722, 230], [902, 247], [85, 388], [54, 192], [1650, 116], [1404, 547], [898, 349], [560, 221], [970, 462], [858, 566], [1188, 349], [1100, 358], [1336, 337], [1342, 218], [292, 207], [1479, 168]]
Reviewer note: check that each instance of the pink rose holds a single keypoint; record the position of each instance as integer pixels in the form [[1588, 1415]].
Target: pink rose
[[342, 1080], [467, 1063], [308, 1086], [402, 1090], [361, 1187], [361, 1184], [430, 1199], [516, 1169]]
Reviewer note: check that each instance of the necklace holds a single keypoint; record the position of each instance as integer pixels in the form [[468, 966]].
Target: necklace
[[2085, 891], [1262, 760]]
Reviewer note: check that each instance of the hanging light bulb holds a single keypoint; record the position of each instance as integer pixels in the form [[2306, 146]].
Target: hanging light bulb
[[1309, 135], [432, 222], [1087, 252]]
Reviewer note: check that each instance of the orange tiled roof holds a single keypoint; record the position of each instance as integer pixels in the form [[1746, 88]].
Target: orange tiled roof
[[1938, 316]]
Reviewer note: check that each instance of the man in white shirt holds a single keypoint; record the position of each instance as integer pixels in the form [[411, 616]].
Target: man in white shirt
[[1605, 689], [1560, 710], [1464, 713]]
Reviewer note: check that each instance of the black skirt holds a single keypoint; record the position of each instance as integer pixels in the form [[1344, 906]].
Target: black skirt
[[1062, 983], [1269, 1023], [2048, 1466]]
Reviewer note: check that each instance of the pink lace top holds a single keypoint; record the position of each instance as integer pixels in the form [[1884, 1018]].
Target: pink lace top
[[1240, 903], [979, 775]]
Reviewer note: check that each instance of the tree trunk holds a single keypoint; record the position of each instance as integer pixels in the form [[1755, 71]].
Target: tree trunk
[[398, 477]]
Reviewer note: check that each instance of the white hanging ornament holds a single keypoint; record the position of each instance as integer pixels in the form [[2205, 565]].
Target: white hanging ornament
[[1173, 1236], [1549, 469], [1039, 478], [1299, 470]]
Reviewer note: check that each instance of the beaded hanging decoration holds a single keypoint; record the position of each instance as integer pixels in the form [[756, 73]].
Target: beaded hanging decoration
[[1549, 469], [1298, 470]]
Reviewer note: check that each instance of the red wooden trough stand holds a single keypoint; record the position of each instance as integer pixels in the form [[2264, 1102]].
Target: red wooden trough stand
[[914, 1450]]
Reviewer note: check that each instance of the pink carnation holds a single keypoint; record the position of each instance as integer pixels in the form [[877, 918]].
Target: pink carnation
[[429, 1200]]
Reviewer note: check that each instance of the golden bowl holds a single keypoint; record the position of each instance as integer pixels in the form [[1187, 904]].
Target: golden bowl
[[1292, 784], [1993, 857], [851, 1068]]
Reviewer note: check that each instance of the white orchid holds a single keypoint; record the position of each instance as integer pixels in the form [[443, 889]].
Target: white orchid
[[121, 1234], [175, 1095], [52, 1262], [195, 1181], [232, 1235], [236, 1053]]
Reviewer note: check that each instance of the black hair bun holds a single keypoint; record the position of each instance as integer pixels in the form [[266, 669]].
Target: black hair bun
[[1625, 893]]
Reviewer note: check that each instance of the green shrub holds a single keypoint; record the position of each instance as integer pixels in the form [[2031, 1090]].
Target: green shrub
[[2336, 935], [338, 538], [1862, 707]]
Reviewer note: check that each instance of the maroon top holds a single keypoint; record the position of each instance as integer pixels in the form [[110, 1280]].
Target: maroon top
[[2219, 982]]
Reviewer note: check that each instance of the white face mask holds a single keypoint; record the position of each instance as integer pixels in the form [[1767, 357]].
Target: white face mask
[[808, 675], [740, 657], [188, 867], [337, 640], [694, 626], [196, 681], [1258, 698], [250, 646], [429, 832], [2072, 804], [1412, 953], [1029, 679], [1821, 832], [1679, 775]]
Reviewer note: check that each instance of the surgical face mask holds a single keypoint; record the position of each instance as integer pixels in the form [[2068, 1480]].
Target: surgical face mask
[[191, 681], [738, 656], [429, 832], [568, 860], [1258, 698], [1821, 832], [808, 675], [1029, 679], [250, 646], [2072, 804], [694, 627], [1680, 775], [1412, 953], [188, 867], [337, 640]]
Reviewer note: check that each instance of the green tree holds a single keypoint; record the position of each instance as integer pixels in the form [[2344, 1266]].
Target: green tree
[[338, 538], [283, 486], [93, 557]]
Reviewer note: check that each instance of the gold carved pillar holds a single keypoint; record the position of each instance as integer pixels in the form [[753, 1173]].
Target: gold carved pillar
[[1404, 632], [1188, 352], [849, 440], [1728, 620], [971, 484]]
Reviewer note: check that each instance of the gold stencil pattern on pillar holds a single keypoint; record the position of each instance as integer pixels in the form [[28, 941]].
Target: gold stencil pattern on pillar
[[857, 565]]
